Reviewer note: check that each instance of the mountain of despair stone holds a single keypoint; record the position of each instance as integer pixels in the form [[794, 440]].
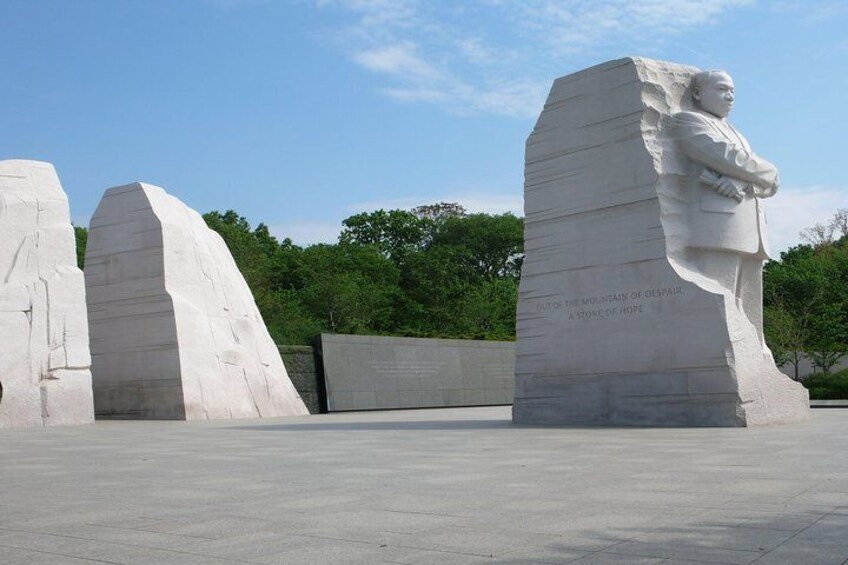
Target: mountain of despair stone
[[175, 332], [44, 356]]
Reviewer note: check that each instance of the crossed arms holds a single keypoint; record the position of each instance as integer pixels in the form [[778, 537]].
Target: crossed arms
[[738, 168]]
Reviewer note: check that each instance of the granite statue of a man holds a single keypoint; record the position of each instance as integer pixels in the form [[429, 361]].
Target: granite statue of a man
[[640, 296], [727, 240]]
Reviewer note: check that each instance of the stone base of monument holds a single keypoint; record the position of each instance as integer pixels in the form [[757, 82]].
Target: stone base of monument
[[616, 324], [44, 356]]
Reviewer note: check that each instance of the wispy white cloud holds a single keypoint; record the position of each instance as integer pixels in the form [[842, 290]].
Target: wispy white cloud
[[577, 25], [400, 59], [415, 94], [814, 13], [479, 52], [794, 209], [438, 53]]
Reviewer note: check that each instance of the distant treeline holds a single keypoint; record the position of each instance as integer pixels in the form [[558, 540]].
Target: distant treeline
[[435, 271]]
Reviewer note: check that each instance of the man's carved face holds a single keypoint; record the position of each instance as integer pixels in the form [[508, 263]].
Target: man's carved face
[[716, 95]]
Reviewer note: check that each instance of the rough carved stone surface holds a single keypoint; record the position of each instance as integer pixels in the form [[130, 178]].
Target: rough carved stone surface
[[616, 323], [175, 332], [44, 360]]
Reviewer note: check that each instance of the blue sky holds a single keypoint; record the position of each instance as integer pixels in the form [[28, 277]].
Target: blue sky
[[300, 113]]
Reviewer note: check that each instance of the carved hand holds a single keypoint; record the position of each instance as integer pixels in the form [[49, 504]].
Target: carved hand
[[726, 187]]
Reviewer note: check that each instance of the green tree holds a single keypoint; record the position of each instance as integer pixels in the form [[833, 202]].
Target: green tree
[[440, 211], [490, 246], [436, 287], [432, 271], [488, 309], [787, 334], [806, 303], [395, 233], [349, 288], [463, 282], [81, 236]]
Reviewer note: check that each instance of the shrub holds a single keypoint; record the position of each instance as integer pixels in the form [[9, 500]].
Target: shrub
[[828, 387]]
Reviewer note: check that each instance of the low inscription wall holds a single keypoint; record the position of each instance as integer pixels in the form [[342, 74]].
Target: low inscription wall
[[372, 373]]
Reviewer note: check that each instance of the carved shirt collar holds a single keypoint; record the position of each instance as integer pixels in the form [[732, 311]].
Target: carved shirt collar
[[722, 126]]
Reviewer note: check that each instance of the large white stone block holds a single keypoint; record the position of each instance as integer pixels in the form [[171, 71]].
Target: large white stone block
[[617, 322], [44, 357], [175, 332]]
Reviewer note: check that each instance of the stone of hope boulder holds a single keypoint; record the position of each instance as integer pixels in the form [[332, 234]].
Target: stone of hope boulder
[[641, 291]]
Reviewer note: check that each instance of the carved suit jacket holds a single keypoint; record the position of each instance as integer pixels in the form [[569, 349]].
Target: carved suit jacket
[[716, 221]]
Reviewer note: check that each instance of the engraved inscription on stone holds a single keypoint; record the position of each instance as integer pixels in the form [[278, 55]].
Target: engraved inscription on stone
[[605, 306], [407, 369], [369, 372]]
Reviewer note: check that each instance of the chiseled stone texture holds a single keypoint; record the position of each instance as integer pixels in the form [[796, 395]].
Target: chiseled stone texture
[[614, 326], [175, 333], [375, 373], [44, 362]]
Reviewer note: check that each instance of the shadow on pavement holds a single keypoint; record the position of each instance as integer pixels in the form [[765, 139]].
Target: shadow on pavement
[[388, 425]]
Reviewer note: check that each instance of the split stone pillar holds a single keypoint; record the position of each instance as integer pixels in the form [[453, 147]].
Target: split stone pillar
[[175, 332], [44, 356]]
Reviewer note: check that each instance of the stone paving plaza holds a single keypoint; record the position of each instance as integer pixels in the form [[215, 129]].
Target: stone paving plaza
[[449, 486]]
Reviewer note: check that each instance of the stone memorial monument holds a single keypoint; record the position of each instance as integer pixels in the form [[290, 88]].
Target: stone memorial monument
[[175, 332], [44, 357], [640, 300]]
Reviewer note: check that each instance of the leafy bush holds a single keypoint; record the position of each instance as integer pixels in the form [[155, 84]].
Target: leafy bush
[[828, 387]]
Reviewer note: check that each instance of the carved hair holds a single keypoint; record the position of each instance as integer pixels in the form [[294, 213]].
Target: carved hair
[[702, 78]]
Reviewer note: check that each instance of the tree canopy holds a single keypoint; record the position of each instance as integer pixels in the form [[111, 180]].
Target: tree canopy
[[805, 297], [434, 271]]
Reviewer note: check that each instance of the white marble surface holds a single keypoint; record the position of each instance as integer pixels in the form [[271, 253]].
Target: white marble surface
[[44, 360], [175, 332], [616, 324]]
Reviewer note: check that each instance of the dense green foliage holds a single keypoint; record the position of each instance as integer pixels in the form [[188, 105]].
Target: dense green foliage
[[806, 303], [828, 387], [81, 235], [434, 271]]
